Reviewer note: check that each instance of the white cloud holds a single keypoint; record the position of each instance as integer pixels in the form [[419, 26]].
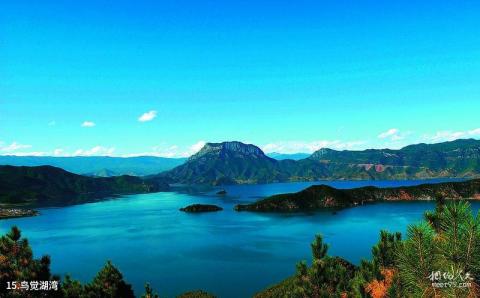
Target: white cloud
[[33, 153], [171, 151], [310, 147], [58, 152], [88, 124], [196, 147], [474, 132], [148, 116], [52, 123], [13, 147], [393, 138], [391, 133], [448, 135], [95, 151]]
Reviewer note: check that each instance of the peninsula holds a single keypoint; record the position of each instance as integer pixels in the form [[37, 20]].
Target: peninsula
[[320, 197]]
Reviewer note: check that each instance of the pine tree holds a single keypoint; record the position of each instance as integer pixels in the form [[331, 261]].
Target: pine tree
[[449, 244], [327, 277], [149, 292], [109, 283]]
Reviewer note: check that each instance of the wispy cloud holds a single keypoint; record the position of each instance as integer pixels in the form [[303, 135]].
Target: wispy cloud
[[195, 148], [88, 124], [95, 151], [391, 133], [448, 135], [148, 116], [171, 151], [13, 147], [309, 147], [58, 152], [393, 138], [52, 123], [31, 153]]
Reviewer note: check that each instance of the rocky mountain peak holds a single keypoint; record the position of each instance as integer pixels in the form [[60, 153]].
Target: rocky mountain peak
[[321, 153], [229, 147]]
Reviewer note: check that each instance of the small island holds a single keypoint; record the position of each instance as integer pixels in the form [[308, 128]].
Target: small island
[[201, 208], [321, 197], [16, 212], [222, 192]]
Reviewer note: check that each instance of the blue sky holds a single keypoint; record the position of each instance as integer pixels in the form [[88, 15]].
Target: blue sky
[[76, 77]]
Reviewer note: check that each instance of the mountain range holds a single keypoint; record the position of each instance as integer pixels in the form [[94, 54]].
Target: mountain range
[[238, 163], [102, 166]]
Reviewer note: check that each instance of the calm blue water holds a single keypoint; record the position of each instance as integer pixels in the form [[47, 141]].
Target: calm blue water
[[227, 253]]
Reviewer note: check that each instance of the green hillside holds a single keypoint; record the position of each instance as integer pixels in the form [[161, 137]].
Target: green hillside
[[319, 197], [46, 185], [235, 162]]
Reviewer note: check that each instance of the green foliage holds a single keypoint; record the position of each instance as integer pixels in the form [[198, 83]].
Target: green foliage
[[449, 244], [384, 252], [109, 283], [280, 290], [384, 256], [149, 293], [319, 249], [72, 288], [326, 277]]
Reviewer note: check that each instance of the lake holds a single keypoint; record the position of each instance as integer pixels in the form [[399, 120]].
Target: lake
[[227, 253]]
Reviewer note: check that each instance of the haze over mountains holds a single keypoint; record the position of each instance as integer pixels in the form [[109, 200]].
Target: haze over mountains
[[108, 166], [102, 166], [282, 156]]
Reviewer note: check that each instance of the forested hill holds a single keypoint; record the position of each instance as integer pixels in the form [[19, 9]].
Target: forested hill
[[319, 197], [47, 186], [235, 162]]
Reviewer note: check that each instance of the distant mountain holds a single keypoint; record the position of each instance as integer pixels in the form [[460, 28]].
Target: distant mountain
[[282, 156], [102, 166], [319, 197], [235, 162], [459, 158], [47, 186]]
